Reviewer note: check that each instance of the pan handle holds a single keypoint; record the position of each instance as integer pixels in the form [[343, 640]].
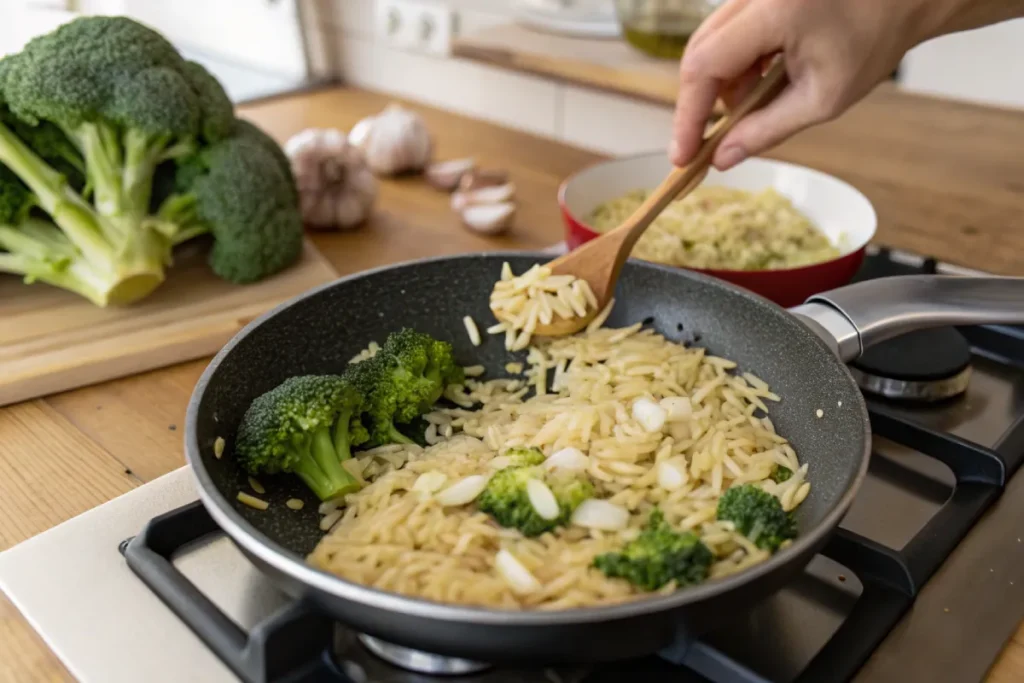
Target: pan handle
[[852, 318]]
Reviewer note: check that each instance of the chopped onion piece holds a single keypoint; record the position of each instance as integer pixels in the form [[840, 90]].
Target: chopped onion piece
[[649, 414], [430, 482], [542, 499], [513, 571], [677, 408], [600, 514], [568, 459], [672, 474], [463, 491]]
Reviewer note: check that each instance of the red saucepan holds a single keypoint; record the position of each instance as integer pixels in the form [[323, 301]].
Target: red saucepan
[[839, 210]]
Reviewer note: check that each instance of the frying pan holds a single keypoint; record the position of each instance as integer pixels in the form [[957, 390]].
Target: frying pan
[[800, 353]]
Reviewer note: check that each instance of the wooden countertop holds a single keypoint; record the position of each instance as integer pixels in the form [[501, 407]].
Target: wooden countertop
[[946, 179]]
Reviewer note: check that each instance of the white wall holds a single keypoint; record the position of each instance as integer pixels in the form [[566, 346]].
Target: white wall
[[985, 65], [580, 116]]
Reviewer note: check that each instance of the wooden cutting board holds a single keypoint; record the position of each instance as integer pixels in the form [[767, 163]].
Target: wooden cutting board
[[52, 341]]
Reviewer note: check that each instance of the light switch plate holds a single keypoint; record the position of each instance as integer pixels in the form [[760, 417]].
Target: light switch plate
[[418, 26]]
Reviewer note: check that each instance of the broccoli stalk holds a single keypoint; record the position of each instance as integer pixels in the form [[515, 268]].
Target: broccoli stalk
[[307, 425], [102, 260], [660, 554]]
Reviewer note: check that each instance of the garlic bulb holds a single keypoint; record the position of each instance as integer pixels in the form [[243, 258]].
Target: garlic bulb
[[394, 141], [336, 187]]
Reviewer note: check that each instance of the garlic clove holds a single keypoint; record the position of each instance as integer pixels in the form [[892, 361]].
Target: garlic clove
[[650, 415], [519, 578], [489, 219], [542, 499], [430, 482], [594, 513], [360, 132], [488, 195], [463, 491], [478, 179], [672, 473], [445, 175]]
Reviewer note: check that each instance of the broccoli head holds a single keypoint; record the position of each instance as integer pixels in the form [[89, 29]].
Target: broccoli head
[[307, 426], [659, 555], [420, 369], [372, 377], [402, 381], [238, 191], [507, 500], [124, 95], [92, 114], [523, 457], [758, 515]]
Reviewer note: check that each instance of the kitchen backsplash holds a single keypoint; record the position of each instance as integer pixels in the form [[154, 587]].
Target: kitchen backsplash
[[348, 44]]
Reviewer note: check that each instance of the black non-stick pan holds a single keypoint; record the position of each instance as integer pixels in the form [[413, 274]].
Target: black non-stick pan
[[800, 353]]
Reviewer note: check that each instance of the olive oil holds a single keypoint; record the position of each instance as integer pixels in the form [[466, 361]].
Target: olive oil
[[662, 29]]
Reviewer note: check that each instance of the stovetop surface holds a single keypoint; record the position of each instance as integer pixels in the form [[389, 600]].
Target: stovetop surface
[[903, 592]]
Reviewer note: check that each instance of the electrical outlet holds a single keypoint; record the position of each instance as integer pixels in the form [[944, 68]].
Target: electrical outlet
[[416, 25]]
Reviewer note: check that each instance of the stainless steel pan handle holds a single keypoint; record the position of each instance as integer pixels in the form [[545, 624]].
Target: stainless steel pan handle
[[854, 317]]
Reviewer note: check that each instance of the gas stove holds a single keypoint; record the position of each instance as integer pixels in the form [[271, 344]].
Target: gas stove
[[921, 582]]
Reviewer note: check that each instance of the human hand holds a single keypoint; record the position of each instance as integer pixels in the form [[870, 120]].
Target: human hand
[[836, 51]]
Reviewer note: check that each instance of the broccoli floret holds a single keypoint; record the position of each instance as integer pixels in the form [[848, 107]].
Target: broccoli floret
[[507, 501], [523, 457], [420, 368], [307, 425], [88, 115], [758, 515], [403, 381], [780, 473], [238, 191], [372, 378], [657, 556]]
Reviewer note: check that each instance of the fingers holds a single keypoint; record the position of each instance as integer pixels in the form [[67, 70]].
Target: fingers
[[732, 93], [792, 111], [720, 56]]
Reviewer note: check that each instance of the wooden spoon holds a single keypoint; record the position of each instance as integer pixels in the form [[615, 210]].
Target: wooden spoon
[[600, 260]]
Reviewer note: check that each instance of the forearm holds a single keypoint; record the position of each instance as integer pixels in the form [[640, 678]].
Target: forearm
[[952, 16]]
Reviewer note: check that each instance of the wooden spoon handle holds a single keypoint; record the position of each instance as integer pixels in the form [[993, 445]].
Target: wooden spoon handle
[[685, 179]]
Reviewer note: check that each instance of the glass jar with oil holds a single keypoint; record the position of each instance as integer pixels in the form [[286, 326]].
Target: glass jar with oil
[[661, 28]]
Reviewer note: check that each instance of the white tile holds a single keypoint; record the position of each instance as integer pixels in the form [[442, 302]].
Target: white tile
[[612, 124], [497, 95], [984, 65]]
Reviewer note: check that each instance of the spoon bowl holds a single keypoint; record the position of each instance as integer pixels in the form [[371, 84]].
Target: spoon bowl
[[599, 262]]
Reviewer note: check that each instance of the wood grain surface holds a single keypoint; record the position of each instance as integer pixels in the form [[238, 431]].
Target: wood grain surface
[[946, 180], [52, 340]]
